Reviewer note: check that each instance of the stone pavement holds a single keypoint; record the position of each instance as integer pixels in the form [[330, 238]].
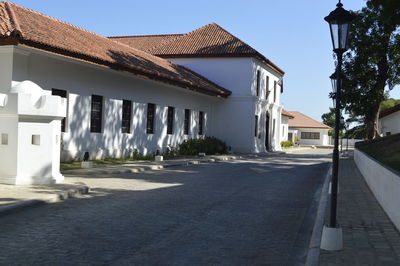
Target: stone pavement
[[369, 237], [14, 198]]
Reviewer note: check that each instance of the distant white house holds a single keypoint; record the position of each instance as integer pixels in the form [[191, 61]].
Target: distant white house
[[285, 125], [389, 121], [307, 130], [157, 93]]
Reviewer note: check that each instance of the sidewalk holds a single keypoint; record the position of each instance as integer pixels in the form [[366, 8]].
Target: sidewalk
[[369, 237], [14, 198]]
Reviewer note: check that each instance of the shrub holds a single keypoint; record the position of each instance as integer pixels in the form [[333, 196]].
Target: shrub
[[296, 140], [137, 156], [208, 145], [287, 143]]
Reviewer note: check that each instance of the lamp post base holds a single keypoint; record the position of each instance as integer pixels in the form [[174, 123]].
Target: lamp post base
[[332, 238]]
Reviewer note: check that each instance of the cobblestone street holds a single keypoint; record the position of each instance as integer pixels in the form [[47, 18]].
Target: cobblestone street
[[257, 211]]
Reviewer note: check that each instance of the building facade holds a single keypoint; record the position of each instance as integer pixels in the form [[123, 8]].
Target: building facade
[[307, 130], [389, 121], [121, 99]]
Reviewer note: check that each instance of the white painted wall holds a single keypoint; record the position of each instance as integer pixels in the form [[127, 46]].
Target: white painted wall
[[82, 80], [29, 115], [390, 123], [323, 136], [284, 128], [235, 117], [383, 182]]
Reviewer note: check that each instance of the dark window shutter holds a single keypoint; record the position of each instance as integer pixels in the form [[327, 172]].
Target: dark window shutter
[[126, 116], [256, 126], [170, 120], [266, 87], [201, 122], [62, 94], [187, 122], [151, 109], [96, 115], [258, 83]]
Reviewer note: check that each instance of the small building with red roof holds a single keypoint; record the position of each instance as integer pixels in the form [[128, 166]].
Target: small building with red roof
[[308, 130]]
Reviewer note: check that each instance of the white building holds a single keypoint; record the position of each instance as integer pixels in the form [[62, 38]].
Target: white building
[[285, 125], [307, 130], [389, 121], [120, 98], [249, 119]]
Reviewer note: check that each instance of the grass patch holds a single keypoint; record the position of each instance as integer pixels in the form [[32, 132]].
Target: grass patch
[[385, 150]]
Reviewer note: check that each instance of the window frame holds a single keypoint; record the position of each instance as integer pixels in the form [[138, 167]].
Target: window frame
[[186, 122], [201, 123], [170, 120], [126, 122], [267, 91], [256, 126], [96, 123], [150, 116], [63, 94], [310, 135]]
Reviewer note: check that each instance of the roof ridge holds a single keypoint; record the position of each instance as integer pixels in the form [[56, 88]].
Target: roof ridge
[[181, 36], [149, 35], [12, 18], [292, 112], [57, 20]]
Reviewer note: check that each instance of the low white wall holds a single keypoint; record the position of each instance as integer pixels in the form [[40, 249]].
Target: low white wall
[[351, 143], [384, 183]]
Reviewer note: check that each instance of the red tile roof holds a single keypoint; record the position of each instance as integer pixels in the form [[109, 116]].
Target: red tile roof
[[287, 113], [146, 42], [208, 41], [302, 121], [21, 26], [389, 111]]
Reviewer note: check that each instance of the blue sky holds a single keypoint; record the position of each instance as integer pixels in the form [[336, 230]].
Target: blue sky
[[290, 33]]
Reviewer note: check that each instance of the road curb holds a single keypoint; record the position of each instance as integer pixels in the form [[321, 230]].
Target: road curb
[[315, 241], [139, 169], [57, 197]]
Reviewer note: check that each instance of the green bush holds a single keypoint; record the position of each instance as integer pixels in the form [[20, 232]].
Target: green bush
[[137, 156], [296, 140], [208, 145], [287, 143]]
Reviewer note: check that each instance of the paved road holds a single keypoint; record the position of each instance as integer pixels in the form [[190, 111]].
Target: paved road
[[246, 212]]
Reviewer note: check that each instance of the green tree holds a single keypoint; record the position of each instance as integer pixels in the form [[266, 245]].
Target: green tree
[[329, 120], [388, 103], [372, 64]]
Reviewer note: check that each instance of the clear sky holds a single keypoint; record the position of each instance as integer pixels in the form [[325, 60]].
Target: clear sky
[[290, 33]]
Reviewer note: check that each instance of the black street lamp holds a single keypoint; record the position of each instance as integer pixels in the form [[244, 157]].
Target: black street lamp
[[333, 78], [339, 20]]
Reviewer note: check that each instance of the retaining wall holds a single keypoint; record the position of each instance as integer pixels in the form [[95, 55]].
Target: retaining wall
[[383, 182]]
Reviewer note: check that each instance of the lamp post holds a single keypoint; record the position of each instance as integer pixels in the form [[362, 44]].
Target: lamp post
[[339, 20]]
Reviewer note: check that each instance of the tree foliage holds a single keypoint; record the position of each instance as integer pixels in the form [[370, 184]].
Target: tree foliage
[[372, 64], [388, 103]]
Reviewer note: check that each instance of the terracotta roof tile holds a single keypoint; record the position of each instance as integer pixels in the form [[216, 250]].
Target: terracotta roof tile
[[302, 121], [287, 113], [36, 30], [208, 41], [146, 42]]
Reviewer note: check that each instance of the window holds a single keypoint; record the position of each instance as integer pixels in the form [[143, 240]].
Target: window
[[170, 120], [96, 115], [62, 94], [290, 136], [310, 135], [283, 131], [256, 126], [201, 122], [388, 133], [267, 87], [126, 116], [187, 122], [274, 91], [258, 83], [151, 111], [4, 139]]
